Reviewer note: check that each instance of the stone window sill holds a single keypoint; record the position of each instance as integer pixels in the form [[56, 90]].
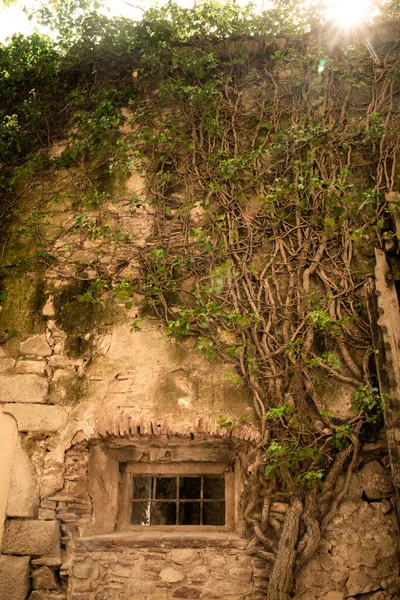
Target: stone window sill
[[162, 539]]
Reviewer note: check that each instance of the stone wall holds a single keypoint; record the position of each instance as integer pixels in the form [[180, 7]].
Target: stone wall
[[163, 566]]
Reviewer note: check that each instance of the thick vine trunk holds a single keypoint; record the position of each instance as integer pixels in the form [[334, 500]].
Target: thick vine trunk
[[281, 581]]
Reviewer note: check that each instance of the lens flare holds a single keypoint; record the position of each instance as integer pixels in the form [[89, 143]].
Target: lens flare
[[348, 13]]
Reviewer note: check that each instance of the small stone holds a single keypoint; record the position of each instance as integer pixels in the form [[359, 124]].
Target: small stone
[[48, 308], [14, 577], [183, 556], [45, 514], [376, 480], [51, 504], [171, 575], [360, 583], [36, 367], [62, 375], [334, 596], [6, 364], [23, 388], [49, 561], [200, 573], [356, 486], [36, 345], [384, 506], [186, 592], [279, 507], [31, 537], [2, 352], [121, 571], [348, 507], [83, 256], [59, 361], [378, 596], [44, 579], [240, 574], [86, 569]]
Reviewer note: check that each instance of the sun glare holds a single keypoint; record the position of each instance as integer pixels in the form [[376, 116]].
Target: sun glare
[[344, 13], [348, 13]]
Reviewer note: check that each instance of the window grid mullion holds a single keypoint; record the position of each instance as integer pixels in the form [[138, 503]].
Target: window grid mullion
[[178, 481], [153, 504], [201, 498]]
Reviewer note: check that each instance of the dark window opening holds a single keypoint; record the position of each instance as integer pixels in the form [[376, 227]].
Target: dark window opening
[[178, 500]]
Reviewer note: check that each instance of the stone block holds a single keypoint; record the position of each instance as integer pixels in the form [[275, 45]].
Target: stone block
[[36, 345], [46, 514], [14, 577], [59, 361], [86, 569], [48, 308], [121, 571], [44, 579], [239, 574], [361, 583], [49, 561], [37, 417], [376, 481], [187, 592], [52, 480], [6, 364], [30, 537], [36, 367], [170, 575], [183, 556], [23, 388], [334, 596], [23, 496]]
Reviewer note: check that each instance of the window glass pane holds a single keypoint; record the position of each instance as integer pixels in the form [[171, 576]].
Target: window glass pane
[[189, 513], [166, 488], [214, 513], [164, 513], [214, 487], [189, 488], [140, 513], [142, 487]]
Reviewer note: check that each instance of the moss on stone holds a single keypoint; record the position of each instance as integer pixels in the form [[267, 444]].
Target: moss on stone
[[81, 319], [23, 300]]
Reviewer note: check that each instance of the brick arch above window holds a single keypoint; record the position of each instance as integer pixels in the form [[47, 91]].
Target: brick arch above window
[[135, 425]]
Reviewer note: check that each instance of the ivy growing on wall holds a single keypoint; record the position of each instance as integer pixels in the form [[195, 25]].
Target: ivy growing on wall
[[268, 150]]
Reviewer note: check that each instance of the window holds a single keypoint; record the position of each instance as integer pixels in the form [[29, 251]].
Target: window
[[195, 495]]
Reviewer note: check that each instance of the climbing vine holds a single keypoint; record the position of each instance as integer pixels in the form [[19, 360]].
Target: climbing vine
[[267, 156]]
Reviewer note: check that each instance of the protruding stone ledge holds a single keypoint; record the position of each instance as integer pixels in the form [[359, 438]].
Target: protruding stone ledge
[[23, 388], [116, 541], [37, 417]]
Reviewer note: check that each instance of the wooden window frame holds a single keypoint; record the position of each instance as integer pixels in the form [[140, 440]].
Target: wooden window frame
[[178, 469]]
